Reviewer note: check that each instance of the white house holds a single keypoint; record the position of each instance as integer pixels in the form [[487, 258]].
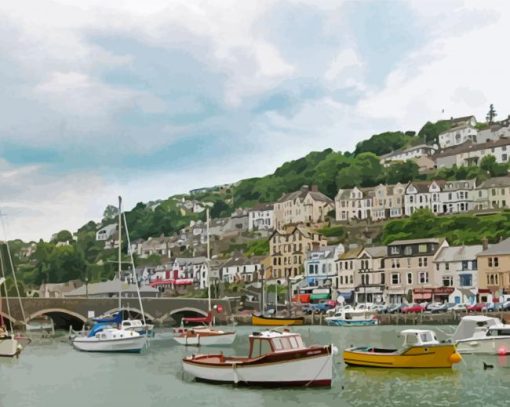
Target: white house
[[422, 150], [261, 217], [369, 276], [240, 268], [107, 232], [470, 153], [462, 129], [320, 265], [457, 196], [457, 267], [420, 195]]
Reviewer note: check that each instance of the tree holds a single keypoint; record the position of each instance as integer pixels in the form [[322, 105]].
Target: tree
[[430, 131], [383, 143], [490, 165], [220, 209], [110, 213], [401, 172], [491, 114], [62, 236]]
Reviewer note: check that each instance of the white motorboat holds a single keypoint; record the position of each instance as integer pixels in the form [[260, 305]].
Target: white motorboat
[[104, 338], [9, 345], [203, 336], [481, 334], [137, 325], [352, 318], [275, 359]]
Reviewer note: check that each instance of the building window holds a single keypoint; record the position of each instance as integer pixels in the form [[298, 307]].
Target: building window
[[493, 262], [447, 266], [424, 278], [395, 278], [466, 280], [422, 248], [394, 250], [447, 281], [409, 278], [465, 265]]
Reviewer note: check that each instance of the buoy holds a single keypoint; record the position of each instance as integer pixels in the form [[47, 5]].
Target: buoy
[[502, 351], [455, 357]]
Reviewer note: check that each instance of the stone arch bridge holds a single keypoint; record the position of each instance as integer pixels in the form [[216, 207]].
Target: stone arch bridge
[[75, 311]]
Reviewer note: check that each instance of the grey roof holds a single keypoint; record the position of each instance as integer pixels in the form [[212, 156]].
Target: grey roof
[[243, 261], [470, 146], [459, 253], [461, 184], [376, 251], [190, 260], [366, 192], [417, 241], [496, 182], [302, 193], [106, 287], [406, 150], [502, 248], [261, 207]]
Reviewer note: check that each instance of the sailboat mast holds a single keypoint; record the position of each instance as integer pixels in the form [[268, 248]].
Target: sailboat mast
[[120, 252], [208, 261], [4, 286]]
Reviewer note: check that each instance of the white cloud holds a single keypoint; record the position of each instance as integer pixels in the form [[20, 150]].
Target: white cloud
[[460, 72]]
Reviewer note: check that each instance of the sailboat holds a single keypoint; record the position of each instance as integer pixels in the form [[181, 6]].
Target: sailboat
[[264, 320], [9, 345], [105, 337], [204, 335]]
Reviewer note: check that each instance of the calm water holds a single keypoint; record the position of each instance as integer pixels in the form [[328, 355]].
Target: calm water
[[51, 373]]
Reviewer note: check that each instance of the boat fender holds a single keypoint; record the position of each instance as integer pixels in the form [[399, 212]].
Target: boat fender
[[334, 350]]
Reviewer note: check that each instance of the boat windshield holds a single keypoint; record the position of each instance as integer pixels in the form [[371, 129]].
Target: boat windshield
[[498, 332], [288, 343], [260, 347]]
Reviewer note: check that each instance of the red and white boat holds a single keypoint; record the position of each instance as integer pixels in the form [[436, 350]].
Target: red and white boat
[[203, 335], [276, 359]]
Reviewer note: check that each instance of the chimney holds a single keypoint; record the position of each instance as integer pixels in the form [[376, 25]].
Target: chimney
[[304, 188], [485, 243], [315, 188]]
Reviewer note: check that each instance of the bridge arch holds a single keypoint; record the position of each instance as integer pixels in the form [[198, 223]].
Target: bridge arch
[[63, 318], [176, 315], [148, 316], [8, 320]]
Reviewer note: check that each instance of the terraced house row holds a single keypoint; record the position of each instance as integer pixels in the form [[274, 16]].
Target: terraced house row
[[413, 270], [441, 197]]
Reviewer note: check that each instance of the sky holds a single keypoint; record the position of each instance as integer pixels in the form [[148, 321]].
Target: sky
[[146, 99]]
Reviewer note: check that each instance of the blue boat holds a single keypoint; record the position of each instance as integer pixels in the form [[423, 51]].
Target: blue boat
[[352, 318]]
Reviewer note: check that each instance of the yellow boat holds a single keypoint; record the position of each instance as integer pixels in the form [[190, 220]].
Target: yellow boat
[[260, 320], [421, 349]]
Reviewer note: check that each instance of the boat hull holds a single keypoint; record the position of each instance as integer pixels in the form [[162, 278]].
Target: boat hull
[[431, 356], [9, 347], [130, 345], [351, 322], [491, 346], [257, 320], [315, 369], [226, 338]]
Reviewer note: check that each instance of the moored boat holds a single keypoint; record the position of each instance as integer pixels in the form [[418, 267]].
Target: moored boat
[[203, 336], [261, 320], [275, 359], [104, 338], [481, 334], [352, 318], [420, 349]]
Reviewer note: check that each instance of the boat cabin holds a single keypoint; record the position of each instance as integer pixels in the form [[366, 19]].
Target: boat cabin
[[475, 326], [499, 330], [262, 343], [418, 337]]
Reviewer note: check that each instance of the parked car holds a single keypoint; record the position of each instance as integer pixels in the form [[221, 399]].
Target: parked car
[[321, 307], [382, 308], [478, 307], [431, 305], [506, 306], [458, 308], [439, 308], [494, 307], [413, 309], [395, 308]]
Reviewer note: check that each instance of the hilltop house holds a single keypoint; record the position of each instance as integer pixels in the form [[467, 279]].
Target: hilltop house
[[411, 153], [261, 217], [106, 232], [462, 129], [306, 206], [470, 153], [353, 204]]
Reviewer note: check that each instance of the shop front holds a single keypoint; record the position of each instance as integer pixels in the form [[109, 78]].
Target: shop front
[[440, 294]]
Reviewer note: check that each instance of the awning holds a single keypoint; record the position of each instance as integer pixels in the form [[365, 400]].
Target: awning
[[319, 296], [426, 296], [182, 281]]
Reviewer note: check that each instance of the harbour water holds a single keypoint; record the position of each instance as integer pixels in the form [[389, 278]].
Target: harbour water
[[50, 373]]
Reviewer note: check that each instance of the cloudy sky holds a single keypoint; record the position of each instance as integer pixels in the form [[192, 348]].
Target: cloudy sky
[[151, 98]]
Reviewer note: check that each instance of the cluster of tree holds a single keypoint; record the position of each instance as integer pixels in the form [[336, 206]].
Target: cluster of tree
[[457, 229]]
